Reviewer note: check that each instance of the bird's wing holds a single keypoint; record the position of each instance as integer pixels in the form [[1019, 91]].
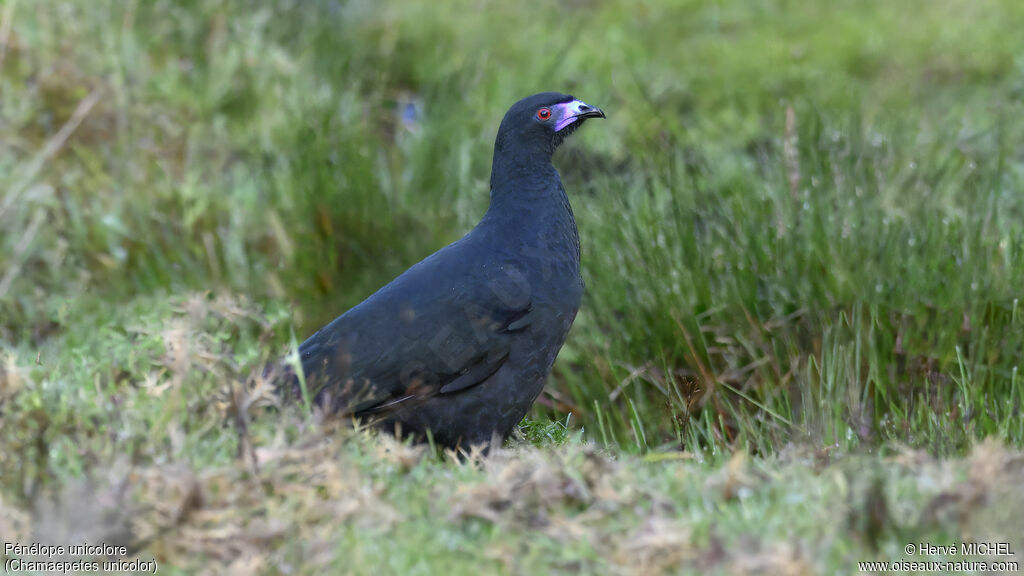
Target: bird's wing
[[442, 327]]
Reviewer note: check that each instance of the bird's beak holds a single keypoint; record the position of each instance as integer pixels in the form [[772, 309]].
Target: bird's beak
[[577, 110], [583, 110]]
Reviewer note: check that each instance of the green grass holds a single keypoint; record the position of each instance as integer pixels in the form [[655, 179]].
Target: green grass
[[802, 232]]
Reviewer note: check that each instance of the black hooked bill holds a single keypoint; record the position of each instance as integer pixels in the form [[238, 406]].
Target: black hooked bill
[[574, 110]]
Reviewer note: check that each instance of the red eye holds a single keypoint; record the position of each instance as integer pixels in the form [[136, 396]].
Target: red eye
[[543, 113]]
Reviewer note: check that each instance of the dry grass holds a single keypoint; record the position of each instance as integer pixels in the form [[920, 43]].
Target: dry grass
[[319, 499]]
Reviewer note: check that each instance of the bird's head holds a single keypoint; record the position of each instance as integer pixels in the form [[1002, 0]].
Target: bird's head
[[543, 121]]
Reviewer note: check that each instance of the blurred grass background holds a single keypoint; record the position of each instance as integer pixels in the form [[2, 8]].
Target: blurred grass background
[[802, 222], [801, 219]]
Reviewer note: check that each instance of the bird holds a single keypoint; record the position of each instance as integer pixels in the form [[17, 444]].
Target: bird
[[457, 348]]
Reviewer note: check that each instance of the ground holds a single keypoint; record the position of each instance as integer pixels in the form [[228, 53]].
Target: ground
[[802, 233]]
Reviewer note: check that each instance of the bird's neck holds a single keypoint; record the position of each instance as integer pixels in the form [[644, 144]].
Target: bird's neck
[[516, 165], [523, 176], [529, 203], [528, 190]]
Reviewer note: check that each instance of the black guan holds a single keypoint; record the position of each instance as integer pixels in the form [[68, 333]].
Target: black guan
[[461, 343]]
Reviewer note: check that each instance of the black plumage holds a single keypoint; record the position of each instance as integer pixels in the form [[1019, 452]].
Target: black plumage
[[461, 343]]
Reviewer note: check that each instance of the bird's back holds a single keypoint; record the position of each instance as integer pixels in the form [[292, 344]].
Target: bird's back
[[423, 329]]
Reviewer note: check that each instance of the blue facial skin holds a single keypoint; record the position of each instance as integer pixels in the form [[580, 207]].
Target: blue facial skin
[[566, 114]]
